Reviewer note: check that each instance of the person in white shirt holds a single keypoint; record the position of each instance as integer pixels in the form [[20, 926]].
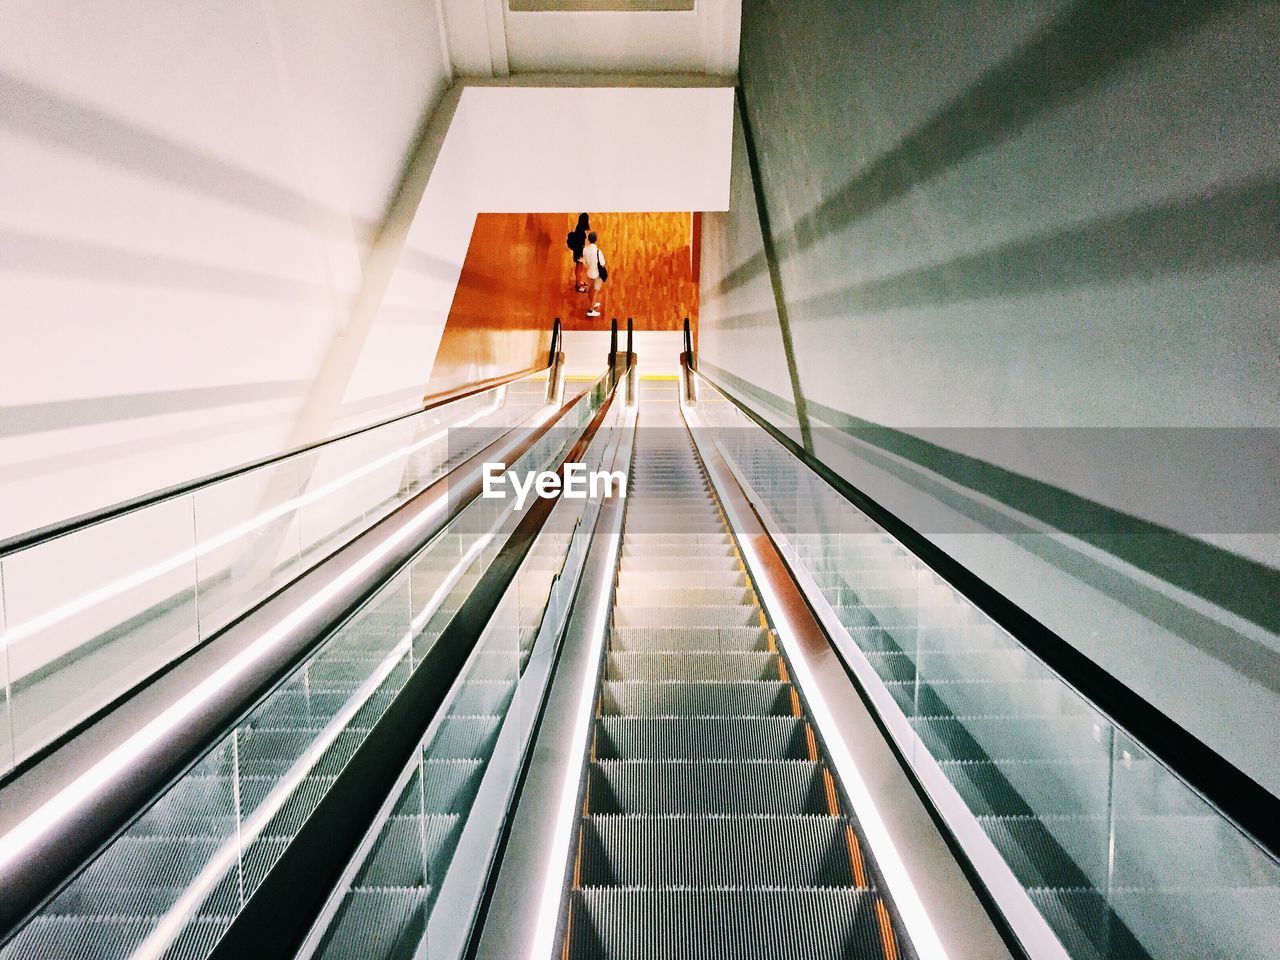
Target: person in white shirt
[[593, 259]]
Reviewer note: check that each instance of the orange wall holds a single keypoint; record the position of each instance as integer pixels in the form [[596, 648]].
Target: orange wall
[[499, 321]]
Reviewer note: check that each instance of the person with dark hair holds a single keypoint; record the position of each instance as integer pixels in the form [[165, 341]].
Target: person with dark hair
[[576, 240], [597, 272]]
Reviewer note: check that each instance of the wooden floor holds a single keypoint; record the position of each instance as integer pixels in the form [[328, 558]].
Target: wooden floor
[[518, 276], [651, 272]]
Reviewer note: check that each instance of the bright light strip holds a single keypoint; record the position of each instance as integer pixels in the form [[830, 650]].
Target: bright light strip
[[14, 843], [71, 797], [905, 896], [114, 589], [553, 885], [172, 923]]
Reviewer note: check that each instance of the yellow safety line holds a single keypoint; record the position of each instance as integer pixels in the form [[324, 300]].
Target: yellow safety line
[[782, 671], [795, 703], [833, 807], [813, 744], [568, 929], [855, 857], [577, 863], [886, 931]]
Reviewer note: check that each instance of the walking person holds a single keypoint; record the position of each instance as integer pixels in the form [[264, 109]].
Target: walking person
[[597, 273], [576, 240]]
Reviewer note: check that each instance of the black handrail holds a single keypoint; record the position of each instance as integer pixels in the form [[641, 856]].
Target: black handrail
[[278, 915], [30, 881], [53, 531], [630, 351], [555, 343], [688, 345], [1236, 795]]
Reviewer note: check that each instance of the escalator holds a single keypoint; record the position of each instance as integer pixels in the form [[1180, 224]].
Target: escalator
[[710, 809], [622, 729], [180, 872]]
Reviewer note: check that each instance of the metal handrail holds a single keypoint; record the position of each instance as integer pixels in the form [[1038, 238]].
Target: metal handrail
[[31, 876], [276, 918], [1232, 792], [62, 528]]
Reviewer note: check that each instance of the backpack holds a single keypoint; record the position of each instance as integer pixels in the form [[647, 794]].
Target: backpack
[[600, 267], [568, 241]]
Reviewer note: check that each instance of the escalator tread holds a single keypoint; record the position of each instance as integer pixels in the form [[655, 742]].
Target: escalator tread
[[712, 825]]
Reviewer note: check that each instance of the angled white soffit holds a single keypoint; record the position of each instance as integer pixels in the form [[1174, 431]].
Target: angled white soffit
[[532, 149]]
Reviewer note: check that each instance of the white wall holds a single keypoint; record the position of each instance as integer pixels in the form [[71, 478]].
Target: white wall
[[517, 149], [189, 189], [181, 257], [1030, 282]]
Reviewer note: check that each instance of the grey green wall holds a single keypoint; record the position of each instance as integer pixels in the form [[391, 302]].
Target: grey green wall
[[1027, 255]]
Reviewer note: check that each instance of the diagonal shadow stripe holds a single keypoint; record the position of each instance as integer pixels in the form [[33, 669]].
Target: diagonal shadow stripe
[[27, 418], [85, 458], [1086, 44], [49, 117], [1235, 225], [1244, 587], [60, 257]]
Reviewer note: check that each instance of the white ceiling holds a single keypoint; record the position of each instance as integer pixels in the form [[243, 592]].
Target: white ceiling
[[487, 38]]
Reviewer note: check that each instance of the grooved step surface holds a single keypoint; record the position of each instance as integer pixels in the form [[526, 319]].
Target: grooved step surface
[[713, 738], [729, 786], [641, 698], [717, 851], [722, 665], [626, 924], [711, 824]]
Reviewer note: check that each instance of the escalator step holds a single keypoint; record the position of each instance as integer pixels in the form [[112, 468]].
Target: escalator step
[[727, 786], [699, 596], [744, 615], [450, 786], [93, 938], [814, 924], [1038, 859], [723, 666], [641, 553], [804, 851], [741, 699], [461, 737], [688, 639], [677, 577], [720, 738], [483, 696]]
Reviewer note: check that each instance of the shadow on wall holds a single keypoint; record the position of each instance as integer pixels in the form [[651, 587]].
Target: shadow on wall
[[1234, 225], [1243, 586], [1061, 215], [1078, 51]]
